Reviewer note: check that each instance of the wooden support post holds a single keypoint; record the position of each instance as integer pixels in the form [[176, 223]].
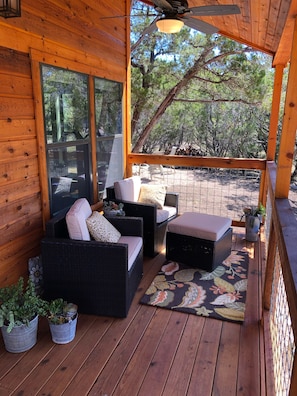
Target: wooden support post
[[127, 99], [37, 89], [274, 116], [288, 137], [272, 137], [93, 139]]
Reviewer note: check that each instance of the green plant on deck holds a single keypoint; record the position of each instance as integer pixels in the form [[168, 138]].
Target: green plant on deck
[[112, 207], [20, 304], [59, 311], [251, 212], [258, 211]]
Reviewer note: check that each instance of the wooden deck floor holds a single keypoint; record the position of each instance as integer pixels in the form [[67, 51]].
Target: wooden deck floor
[[151, 352]]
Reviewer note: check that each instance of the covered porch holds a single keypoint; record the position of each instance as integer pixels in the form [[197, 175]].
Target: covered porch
[[152, 351]]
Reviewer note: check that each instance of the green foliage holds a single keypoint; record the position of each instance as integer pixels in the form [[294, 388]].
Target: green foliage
[[65, 102], [59, 311], [19, 305], [223, 108], [260, 210]]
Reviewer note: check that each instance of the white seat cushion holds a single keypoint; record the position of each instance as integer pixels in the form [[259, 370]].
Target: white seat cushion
[[134, 245], [76, 220], [165, 213], [128, 189], [200, 225]]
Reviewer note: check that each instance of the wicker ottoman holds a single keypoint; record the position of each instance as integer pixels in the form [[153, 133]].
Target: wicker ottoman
[[199, 240]]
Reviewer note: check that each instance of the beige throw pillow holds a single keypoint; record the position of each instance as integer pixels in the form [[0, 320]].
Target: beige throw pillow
[[152, 194], [101, 229]]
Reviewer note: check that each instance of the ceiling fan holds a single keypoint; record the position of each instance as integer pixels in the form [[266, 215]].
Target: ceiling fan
[[174, 14]]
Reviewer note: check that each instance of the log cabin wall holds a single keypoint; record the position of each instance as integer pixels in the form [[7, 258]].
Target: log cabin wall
[[60, 33], [20, 207]]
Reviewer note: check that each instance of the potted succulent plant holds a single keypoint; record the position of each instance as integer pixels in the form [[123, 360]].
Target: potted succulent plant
[[62, 318], [20, 307], [253, 219], [110, 208]]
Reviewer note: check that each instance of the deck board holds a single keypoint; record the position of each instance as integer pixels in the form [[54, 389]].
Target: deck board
[[110, 375], [182, 367], [136, 371], [164, 355], [227, 362], [206, 358], [153, 351], [249, 381]]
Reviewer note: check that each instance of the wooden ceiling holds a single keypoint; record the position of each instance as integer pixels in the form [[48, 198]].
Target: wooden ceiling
[[266, 25]]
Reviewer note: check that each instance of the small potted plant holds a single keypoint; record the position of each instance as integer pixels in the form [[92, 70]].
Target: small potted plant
[[253, 219], [112, 209], [20, 307], [62, 318]]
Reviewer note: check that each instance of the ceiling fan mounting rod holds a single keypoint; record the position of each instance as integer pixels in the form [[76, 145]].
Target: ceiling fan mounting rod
[[179, 6], [178, 3]]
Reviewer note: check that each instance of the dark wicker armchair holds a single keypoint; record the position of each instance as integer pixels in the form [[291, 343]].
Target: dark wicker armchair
[[92, 274], [153, 231]]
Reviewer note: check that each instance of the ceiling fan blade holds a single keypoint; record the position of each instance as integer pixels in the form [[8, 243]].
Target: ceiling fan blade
[[127, 16], [202, 26], [215, 10], [163, 5]]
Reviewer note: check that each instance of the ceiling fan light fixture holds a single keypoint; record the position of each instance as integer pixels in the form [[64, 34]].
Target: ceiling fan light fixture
[[167, 25]]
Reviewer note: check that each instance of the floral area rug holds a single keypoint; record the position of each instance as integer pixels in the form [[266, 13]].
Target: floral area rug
[[220, 294]]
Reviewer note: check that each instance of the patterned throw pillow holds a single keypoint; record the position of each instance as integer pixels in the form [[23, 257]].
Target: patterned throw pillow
[[152, 194], [101, 229]]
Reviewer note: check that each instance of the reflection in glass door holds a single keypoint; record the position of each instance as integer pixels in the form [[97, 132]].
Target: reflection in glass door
[[108, 103], [66, 115]]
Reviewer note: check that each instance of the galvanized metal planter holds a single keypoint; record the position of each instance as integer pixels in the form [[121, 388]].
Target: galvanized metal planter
[[21, 338]]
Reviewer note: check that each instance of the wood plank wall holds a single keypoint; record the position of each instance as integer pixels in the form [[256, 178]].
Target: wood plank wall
[[74, 32], [20, 210]]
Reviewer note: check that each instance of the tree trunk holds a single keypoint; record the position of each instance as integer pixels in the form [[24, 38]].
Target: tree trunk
[[166, 103], [201, 62]]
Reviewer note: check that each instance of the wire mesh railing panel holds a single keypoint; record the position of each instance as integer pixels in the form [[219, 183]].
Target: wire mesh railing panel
[[222, 192], [282, 337]]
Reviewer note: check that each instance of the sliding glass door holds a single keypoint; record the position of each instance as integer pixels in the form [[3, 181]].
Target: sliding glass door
[[67, 120]]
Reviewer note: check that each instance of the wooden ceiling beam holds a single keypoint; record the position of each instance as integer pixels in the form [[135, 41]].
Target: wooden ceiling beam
[[288, 135], [282, 55]]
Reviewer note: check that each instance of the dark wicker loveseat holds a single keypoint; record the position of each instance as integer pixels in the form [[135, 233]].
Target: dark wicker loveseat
[[92, 274]]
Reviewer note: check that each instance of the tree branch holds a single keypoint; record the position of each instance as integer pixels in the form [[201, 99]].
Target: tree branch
[[216, 101]]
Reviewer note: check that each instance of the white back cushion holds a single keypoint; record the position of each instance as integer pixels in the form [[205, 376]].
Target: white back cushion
[[152, 194], [128, 189], [76, 220]]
